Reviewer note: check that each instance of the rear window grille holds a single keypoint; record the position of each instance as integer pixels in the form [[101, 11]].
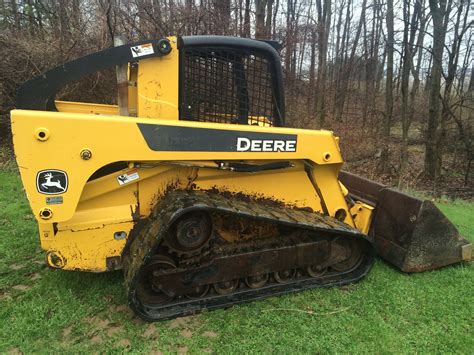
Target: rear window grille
[[226, 85]]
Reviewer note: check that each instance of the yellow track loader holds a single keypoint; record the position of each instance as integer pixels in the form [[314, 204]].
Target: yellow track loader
[[193, 186]]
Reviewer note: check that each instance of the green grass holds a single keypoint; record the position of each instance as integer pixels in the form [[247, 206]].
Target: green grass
[[43, 310]]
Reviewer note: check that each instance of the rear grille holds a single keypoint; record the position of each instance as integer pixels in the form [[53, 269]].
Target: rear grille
[[226, 85]]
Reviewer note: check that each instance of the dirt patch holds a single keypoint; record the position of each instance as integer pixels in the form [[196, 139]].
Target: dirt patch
[[4, 296], [98, 323], [96, 339], [182, 350], [184, 322], [35, 276], [151, 332], [67, 331], [17, 266], [14, 351], [22, 288], [114, 330], [123, 343], [126, 311], [138, 321], [207, 350], [186, 333], [210, 334]]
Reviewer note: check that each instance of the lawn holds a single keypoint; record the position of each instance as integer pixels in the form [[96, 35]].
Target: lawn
[[46, 310]]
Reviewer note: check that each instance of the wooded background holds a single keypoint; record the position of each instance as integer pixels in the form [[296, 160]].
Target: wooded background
[[394, 79]]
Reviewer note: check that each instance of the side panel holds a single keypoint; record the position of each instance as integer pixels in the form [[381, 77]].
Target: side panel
[[88, 222], [157, 85]]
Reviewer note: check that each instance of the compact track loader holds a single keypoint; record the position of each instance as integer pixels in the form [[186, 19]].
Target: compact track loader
[[192, 185]]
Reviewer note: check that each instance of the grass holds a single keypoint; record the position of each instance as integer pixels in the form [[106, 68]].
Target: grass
[[43, 310]]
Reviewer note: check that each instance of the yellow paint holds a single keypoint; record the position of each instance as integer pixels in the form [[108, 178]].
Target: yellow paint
[[362, 214], [84, 227], [157, 85]]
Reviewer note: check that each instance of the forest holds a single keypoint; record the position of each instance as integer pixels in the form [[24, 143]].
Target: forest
[[393, 79]]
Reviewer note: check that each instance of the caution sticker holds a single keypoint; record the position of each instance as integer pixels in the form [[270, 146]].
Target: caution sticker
[[141, 50], [127, 178]]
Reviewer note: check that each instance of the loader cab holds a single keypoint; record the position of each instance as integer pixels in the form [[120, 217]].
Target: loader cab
[[197, 78]]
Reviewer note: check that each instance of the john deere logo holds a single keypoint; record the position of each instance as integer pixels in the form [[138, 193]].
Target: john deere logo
[[51, 182]]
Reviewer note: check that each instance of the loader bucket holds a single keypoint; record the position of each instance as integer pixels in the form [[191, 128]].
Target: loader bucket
[[412, 234]]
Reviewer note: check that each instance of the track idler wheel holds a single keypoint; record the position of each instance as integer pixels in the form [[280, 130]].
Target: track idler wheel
[[257, 281], [226, 287], [355, 255], [190, 233], [316, 271], [148, 289], [284, 276], [198, 292]]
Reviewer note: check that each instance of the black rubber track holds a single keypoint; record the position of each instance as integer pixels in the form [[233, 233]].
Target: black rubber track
[[145, 242]]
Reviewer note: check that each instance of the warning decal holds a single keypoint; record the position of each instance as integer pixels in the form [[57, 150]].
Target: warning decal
[[141, 50], [128, 177]]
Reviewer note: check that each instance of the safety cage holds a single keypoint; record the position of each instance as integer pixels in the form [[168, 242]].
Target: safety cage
[[230, 80]]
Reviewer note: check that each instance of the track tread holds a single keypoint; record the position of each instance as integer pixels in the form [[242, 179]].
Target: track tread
[[146, 241]]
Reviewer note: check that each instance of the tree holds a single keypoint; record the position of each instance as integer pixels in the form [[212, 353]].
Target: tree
[[440, 11], [324, 23], [387, 117]]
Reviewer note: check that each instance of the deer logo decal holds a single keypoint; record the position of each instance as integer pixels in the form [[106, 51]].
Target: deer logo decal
[[51, 182]]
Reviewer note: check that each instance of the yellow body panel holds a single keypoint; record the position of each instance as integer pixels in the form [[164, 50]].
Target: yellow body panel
[[84, 107], [157, 85], [91, 212], [86, 226]]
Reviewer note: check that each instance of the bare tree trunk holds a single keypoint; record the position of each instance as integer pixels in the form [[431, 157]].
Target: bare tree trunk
[[324, 24], [349, 65], [16, 15], [440, 11], [260, 29], [268, 21], [246, 32], [387, 118], [409, 34], [275, 13], [471, 80], [312, 68]]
